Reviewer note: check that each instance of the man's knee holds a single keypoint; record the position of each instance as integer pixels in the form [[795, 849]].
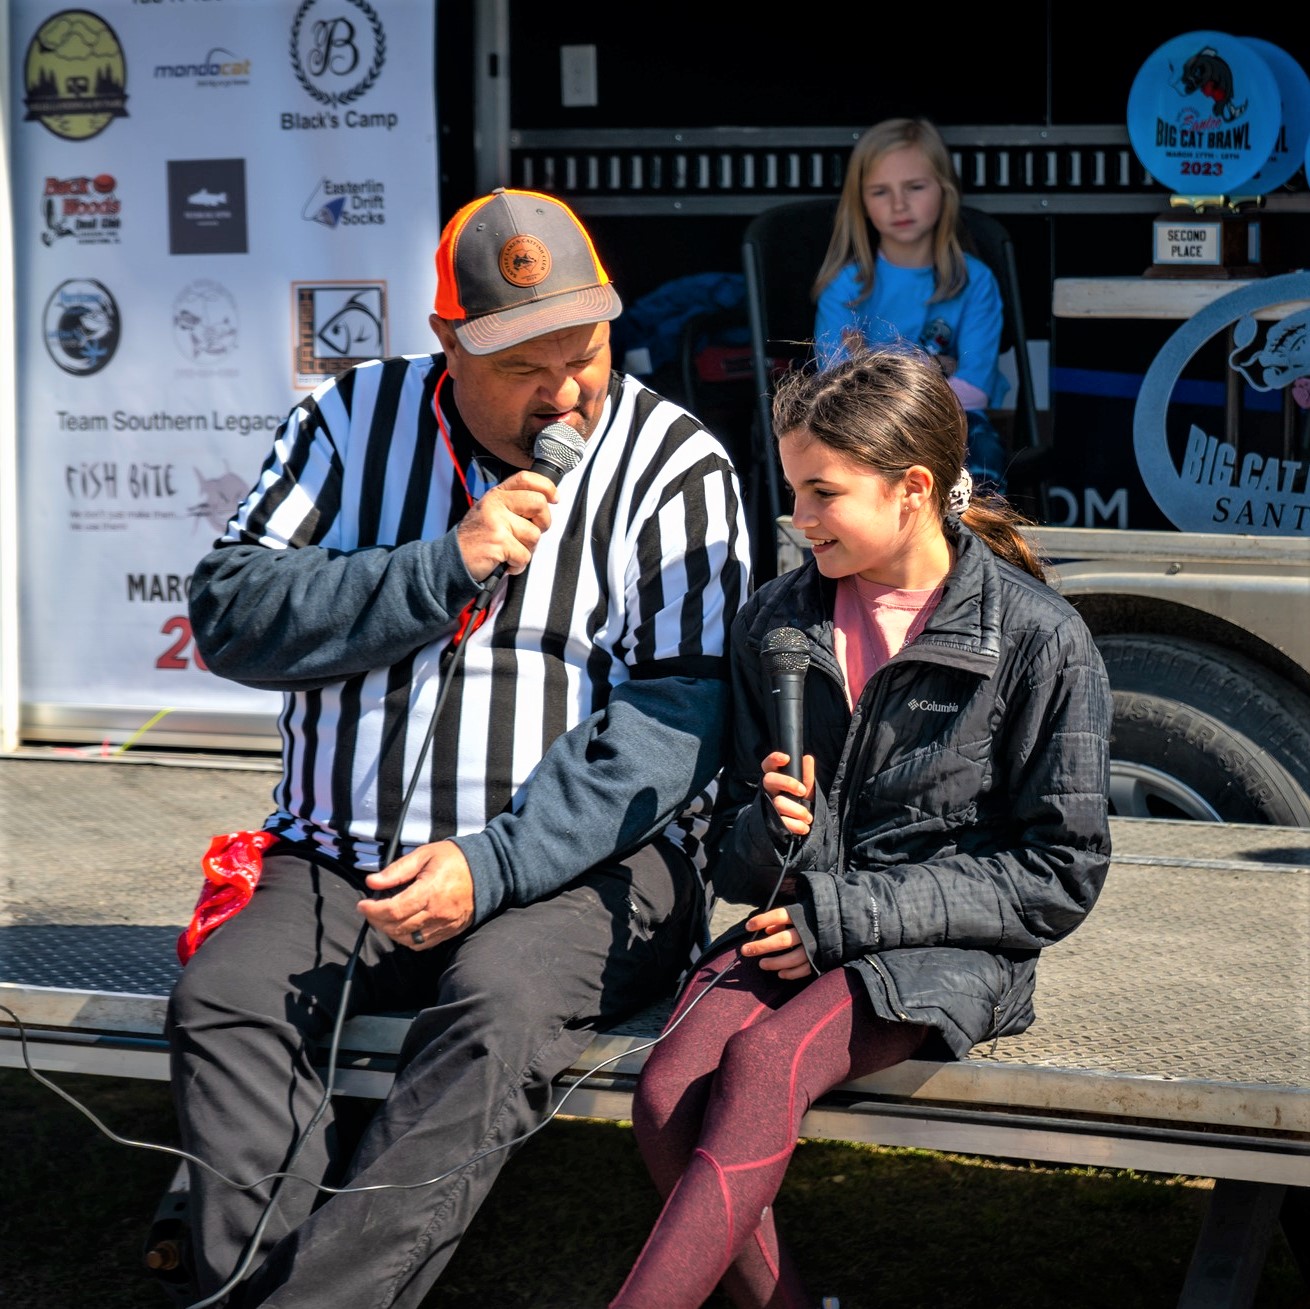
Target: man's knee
[[207, 983], [228, 987]]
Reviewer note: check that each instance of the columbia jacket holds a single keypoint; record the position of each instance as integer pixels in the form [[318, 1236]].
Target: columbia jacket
[[960, 816]]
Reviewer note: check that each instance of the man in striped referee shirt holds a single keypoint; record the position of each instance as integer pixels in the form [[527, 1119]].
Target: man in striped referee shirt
[[532, 875]]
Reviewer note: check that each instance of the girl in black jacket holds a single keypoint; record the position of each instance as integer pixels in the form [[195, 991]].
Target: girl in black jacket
[[949, 822]]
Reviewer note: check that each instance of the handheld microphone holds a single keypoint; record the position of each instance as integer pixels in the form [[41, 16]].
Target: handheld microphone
[[785, 656], [557, 450]]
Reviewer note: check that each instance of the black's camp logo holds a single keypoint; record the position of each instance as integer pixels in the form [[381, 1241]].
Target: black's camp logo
[[207, 207], [75, 76], [338, 48], [82, 326], [336, 325]]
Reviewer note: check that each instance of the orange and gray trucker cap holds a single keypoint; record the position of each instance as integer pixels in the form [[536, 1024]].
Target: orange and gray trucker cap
[[517, 264]]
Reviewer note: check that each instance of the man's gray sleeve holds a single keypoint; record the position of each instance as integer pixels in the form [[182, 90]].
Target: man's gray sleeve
[[294, 620], [581, 806]]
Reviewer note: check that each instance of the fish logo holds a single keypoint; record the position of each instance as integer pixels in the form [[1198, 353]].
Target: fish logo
[[337, 325], [219, 498], [205, 322], [1283, 359], [354, 330], [524, 261], [82, 326], [1209, 73]]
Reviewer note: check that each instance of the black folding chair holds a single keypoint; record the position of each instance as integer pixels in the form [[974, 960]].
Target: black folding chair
[[1028, 450], [781, 252], [782, 249]]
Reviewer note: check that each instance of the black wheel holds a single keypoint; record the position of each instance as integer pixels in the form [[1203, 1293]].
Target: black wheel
[[1202, 733]]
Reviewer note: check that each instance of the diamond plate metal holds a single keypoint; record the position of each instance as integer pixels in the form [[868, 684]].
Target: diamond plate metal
[[1195, 961]]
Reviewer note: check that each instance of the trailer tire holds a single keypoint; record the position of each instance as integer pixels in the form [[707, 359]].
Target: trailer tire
[[1202, 733]]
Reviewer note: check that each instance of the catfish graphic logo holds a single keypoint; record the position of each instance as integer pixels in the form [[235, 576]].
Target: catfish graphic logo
[[1208, 72], [219, 498], [1283, 359]]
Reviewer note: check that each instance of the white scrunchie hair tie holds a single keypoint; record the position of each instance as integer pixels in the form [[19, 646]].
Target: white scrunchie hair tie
[[957, 500]]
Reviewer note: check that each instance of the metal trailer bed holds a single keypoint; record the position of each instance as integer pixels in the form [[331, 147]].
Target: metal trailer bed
[[1172, 1032]]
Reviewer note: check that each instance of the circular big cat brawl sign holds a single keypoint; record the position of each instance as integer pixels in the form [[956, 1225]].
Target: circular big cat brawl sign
[[1204, 113], [1294, 133]]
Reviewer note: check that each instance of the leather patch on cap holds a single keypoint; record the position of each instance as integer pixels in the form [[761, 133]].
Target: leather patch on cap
[[524, 261]]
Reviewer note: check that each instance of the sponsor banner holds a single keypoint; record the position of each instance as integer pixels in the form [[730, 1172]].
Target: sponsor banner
[[218, 205]]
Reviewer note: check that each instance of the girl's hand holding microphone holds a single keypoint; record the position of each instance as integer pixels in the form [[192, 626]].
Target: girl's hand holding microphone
[[779, 948], [787, 793]]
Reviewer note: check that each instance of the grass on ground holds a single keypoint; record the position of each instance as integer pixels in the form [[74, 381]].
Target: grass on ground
[[874, 1226]]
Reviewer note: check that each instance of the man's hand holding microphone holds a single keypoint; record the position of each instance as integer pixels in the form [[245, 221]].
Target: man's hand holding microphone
[[500, 532]]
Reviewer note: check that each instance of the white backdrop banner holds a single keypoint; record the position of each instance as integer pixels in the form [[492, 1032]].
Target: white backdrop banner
[[217, 205]]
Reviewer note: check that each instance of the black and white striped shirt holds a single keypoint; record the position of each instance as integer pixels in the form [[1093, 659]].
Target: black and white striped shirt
[[569, 730]]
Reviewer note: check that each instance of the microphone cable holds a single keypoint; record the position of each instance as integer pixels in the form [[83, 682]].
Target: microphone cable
[[452, 659], [558, 449], [284, 1175]]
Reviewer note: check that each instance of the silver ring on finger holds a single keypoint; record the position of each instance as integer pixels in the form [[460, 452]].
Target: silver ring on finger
[[416, 937]]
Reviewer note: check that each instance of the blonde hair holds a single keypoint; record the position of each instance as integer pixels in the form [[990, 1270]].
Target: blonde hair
[[854, 240], [888, 408]]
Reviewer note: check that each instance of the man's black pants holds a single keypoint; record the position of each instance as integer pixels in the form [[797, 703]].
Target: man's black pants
[[501, 1012]]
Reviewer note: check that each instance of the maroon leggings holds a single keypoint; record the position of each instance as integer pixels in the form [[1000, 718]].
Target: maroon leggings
[[716, 1116]]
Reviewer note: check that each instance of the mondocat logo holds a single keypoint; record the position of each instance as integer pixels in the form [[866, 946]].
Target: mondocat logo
[[220, 67]]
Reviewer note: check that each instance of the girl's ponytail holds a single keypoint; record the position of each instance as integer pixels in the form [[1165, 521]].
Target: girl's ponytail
[[998, 525]]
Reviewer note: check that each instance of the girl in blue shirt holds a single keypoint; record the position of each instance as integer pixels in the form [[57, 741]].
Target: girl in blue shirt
[[896, 270]]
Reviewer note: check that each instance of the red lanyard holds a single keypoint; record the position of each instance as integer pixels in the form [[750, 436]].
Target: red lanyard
[[464, 629]]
